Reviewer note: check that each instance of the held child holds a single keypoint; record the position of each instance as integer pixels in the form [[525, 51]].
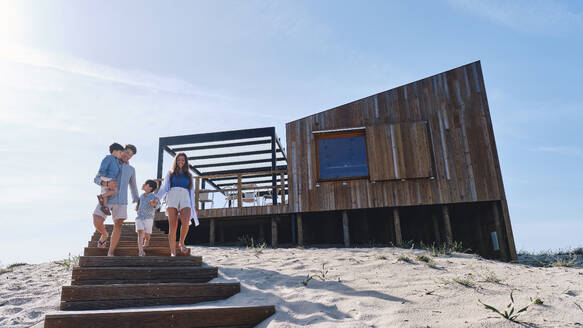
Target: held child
[[145, 218], [108, 171]]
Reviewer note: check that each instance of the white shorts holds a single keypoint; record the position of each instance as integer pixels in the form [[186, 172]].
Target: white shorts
[[178, 198], [105, 189], [117, 211], [145, 225]]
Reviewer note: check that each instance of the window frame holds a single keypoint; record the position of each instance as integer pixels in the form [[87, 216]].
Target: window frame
[[340, 134]]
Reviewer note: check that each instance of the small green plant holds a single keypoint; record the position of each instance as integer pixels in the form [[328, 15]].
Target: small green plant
[[69, 262], [321, 275], [307, 279], [564, 262], [323, 272], [466, 281], [404, 259], [381, 257], [537, 301], [245, 240], [11, 267], [491, 277], [14, 265], [423, 258], [509, 313]]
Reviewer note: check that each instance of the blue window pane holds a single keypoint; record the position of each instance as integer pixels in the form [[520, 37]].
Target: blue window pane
[[342, 157]]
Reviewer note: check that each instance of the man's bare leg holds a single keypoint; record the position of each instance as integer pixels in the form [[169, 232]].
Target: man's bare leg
[[115, 236], [98, 223], [146, 239]]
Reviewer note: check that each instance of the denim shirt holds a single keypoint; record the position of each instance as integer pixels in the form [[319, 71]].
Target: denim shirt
[[125, 178], [109, 167]]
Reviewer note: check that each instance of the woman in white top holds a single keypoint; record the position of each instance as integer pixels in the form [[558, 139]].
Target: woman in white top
[[178, 188]]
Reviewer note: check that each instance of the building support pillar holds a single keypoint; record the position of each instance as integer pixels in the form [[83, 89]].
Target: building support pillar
[[345, 229], [397, 224], [498, 225], [300, 229], [212, 232], [274, 232], [447, 224]]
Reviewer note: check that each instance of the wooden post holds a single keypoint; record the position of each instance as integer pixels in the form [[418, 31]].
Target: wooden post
[[196, 191], [397, 224], [274, 232], [498, 224], [239, 192], [437, 235], [447, 224], [282, 177], [212, 232], [345, 229], [300, 229]]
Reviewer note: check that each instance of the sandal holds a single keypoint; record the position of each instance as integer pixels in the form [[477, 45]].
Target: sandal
[[101, 244], [184, 249], [105, 210]]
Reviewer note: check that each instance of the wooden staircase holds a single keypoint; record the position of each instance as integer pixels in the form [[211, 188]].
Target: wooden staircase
[[128, 281]]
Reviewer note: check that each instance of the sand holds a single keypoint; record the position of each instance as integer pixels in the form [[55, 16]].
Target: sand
[[30, 291], [355, 287]]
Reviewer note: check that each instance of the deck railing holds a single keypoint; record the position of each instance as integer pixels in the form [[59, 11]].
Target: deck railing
[[239, 187]]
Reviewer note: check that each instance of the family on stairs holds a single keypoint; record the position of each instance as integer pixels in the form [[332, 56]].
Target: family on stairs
[[146, 287]]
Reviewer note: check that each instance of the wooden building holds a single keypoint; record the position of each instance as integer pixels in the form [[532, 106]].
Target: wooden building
[[417, 162]]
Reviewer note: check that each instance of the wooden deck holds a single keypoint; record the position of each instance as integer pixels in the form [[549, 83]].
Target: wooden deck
[[248, 211]]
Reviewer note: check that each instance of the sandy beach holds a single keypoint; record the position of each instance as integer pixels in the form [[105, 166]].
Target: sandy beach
[[355, 287]]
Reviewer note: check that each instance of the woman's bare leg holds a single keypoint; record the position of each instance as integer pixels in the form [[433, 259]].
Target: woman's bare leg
[[172, 227], [146, 239], [184, 218]]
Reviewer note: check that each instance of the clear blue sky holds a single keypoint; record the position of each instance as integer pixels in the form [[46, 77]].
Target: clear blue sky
[[77, 75]]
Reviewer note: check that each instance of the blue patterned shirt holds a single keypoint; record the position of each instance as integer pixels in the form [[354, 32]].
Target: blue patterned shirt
[[145, 211]]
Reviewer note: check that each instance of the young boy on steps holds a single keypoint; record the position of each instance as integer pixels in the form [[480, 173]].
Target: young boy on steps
[[145, 218]]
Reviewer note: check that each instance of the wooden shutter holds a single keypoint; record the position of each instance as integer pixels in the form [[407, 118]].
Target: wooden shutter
[[399, 151]]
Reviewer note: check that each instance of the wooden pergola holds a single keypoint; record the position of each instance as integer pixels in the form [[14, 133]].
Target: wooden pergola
[[231, 161]]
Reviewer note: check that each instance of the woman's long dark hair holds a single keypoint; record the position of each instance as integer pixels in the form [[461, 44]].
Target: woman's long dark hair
[[175, 170]]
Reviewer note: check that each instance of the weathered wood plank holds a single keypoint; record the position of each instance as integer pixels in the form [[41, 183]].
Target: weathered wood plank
[[98, 297], [178, 317], [136, 275], [139, 261], [131, 251]]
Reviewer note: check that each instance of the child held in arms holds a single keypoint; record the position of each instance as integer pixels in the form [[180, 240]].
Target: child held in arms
[[108, 171], [145, 218]]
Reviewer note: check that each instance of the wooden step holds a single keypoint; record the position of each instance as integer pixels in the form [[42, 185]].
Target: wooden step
[[132, 243], [130, 238], [132, 251], [101, 297], [248, 316], [139, 261], [141, 275]]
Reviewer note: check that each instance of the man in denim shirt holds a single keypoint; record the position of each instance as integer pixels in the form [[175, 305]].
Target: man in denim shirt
[[118, 203]]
